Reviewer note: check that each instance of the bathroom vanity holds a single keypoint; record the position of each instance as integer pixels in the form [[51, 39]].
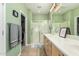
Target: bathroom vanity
[[58, 46]]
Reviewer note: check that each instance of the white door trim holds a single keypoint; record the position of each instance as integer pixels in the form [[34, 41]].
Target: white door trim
[[2, 29]]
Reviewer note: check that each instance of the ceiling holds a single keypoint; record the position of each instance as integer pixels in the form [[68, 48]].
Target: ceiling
[[39, 8], [43, 8], [67, 6]]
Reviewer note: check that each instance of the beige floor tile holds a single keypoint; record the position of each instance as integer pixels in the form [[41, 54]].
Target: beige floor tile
[[28, 51]]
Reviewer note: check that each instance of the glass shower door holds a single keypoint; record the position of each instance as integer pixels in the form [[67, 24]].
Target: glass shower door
[[38, 28]]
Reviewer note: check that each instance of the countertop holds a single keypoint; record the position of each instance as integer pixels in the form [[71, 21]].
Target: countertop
[[68, 46]]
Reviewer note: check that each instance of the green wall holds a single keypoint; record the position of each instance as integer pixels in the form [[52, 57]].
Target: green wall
[[57, 22], [57, 18], [70, 16], [66, 19], [40, 17], [11, 19], [29, 36]]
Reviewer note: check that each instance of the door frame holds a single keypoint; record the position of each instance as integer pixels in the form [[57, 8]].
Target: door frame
[[3, 30], [25, 37], [75, 25]]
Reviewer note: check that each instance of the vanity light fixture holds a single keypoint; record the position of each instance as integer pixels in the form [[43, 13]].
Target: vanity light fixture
[[55, 7]]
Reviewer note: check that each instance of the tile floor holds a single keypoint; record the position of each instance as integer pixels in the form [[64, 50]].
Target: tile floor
[[28, 51]]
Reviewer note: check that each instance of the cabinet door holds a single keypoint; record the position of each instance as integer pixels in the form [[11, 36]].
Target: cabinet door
[[56, 51], [47, 46], [60, 53], [45, 41]]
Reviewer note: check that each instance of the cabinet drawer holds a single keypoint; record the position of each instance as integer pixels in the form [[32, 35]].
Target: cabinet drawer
[[48, 52], [54, 50]]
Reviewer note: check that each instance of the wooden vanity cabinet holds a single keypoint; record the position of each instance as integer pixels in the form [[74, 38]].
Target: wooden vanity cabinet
[[50, 49], [47, 47], [56, 51]]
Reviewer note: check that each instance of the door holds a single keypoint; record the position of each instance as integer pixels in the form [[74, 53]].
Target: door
[[78, 26], [23, 29], [39, 27]]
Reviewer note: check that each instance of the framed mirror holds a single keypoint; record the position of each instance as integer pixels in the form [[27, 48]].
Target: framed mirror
[[63, 32]]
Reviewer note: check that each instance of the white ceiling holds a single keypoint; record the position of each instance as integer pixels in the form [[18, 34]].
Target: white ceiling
[[45, 7], [35, 7]]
